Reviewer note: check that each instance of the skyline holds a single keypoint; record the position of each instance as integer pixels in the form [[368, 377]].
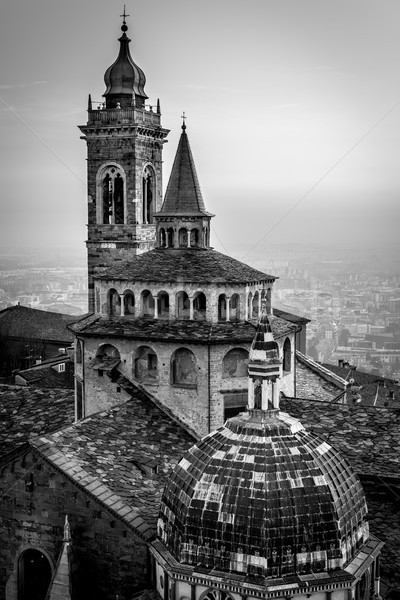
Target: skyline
[[293, 114]]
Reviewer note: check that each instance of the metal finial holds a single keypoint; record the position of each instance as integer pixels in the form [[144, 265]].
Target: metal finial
[[124, 15], [183, 121]]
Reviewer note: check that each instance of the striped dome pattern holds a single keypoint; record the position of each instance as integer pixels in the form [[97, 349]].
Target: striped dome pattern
[[264, 497]]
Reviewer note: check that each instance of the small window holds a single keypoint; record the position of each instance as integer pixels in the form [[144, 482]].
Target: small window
[[61, 368], [183, 368], [287, 356]]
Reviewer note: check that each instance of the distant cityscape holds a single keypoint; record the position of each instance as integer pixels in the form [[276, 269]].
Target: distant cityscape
[[351, 297]]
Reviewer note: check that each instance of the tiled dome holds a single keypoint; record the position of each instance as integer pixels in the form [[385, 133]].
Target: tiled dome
[[263, 496]]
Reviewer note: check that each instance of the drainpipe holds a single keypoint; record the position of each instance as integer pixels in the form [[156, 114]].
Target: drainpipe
[[209, 378]]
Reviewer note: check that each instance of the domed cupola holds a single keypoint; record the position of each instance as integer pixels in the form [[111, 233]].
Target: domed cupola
[[124, 80], [262, 498]]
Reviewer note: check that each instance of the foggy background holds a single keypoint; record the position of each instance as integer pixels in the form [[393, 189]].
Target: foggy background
[[293, 114]]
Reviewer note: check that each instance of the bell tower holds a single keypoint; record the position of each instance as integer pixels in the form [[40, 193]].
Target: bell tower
[[124, 141]]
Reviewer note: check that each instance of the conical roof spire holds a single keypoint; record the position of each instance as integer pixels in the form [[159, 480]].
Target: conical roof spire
[[124, 80], [183, 196]]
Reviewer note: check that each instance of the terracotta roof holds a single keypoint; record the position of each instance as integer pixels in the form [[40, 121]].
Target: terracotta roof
[[109, 454], [27, 411], [20, 321], [200, 265], [368, 437], [183, 195], [179, 330]]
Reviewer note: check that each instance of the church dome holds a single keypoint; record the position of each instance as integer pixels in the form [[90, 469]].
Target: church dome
[[265, 497], [124, 80]]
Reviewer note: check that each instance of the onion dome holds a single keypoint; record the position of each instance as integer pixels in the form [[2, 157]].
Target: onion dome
[[262, 496], [124, 80]]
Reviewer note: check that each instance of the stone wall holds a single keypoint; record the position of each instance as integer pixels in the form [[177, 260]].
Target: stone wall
[[111, 560]]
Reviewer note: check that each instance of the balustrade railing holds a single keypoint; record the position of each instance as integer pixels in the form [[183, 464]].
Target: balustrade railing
[[115, 116]]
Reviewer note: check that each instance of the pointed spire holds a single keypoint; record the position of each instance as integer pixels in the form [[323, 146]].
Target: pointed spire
[[67, 530], [183, 195]]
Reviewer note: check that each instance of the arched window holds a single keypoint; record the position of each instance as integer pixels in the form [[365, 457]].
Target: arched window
[[222, 307], [34, 575], [199, 306], [182, 306], [194, 237], [183, 238], [184, 368], [162, 238], [287, 356], [146, 365], [163, 305], [129, 303], [234, 308], [148, 193], [234, 363], [170, 237], [250, 305], [255, 311], [112, 206], [147, 304], [114, 303], [79, 352], [107, 351]]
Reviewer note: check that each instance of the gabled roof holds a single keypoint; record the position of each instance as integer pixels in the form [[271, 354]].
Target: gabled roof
[[184, 266], [183, 195], [100, 455], [28, 411], [22, 322]]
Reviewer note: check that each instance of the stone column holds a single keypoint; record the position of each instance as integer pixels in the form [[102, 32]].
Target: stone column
[[251, 393], [172, 307], [155, 306], [190, 308], [227, 300]]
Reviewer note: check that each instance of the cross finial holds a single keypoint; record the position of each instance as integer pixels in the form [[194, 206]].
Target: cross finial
[[124, 15], [183, 117]]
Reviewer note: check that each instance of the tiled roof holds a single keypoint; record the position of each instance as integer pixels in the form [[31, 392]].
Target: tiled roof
[[368, 437], [259, 485], [27, 411], [312, 386], [183, 195], [366, 388], [200, 265], [179, 330], [20, 321], [290, 316], [107, 454], [48, 377]]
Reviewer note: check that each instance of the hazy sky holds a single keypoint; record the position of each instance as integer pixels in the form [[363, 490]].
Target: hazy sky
[[292, 105]]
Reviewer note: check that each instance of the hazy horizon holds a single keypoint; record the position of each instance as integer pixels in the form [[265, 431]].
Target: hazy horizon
[[293, 114]]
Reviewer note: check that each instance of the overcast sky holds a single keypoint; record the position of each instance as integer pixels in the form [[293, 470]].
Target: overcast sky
[[293, 112]]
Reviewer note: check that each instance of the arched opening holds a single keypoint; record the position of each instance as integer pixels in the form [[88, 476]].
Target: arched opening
[[194, 237], [184, 368], [112, 197], [222, 307], [287, 356], [145, 362], [78, 352], [199, 306], [234, 308], [234, 363], [34, 575], [250, 305], [114, 303], [255, 306], [163, 305], [147, 302], [148, 196], [182, 306], [183, 238], [129, 303], [205, 237], [162, 238], [268, 301], [170, 237]]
